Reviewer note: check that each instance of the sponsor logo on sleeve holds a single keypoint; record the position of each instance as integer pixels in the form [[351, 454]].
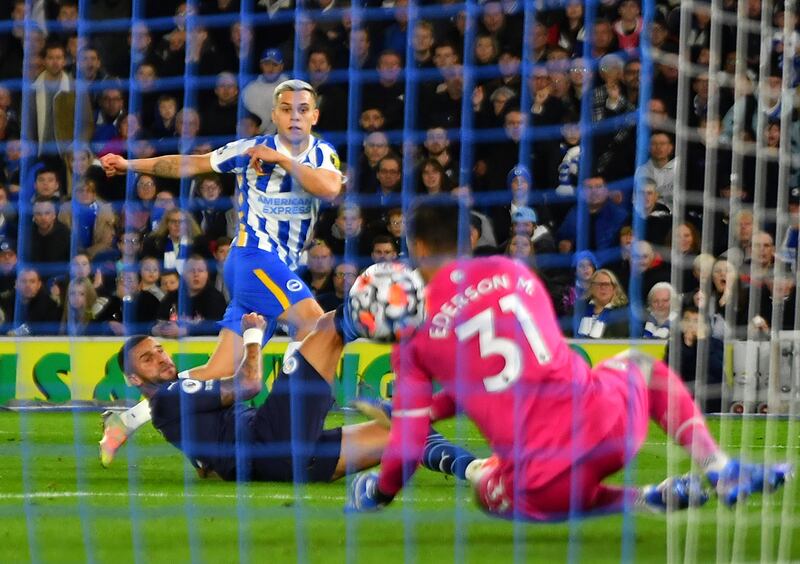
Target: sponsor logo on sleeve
[[294, 285], [191, 386]]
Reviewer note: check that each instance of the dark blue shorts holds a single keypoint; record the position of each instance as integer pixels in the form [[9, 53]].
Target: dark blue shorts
[[258, 281], [288, 428]]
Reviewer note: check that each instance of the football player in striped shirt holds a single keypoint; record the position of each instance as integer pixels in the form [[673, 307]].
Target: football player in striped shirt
[[280, 179]]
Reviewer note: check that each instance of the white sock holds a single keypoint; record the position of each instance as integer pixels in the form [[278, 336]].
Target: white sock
[[136, 416], [290, 348]]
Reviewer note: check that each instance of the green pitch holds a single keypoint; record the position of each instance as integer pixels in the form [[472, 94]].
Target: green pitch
[[58, 505]]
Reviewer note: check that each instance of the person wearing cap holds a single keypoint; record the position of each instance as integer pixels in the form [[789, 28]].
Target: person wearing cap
[[281, 179], [524, 221], [257, 95], [8, 266]]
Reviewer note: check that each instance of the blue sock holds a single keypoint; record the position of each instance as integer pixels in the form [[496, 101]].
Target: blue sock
[[440, 455], [344, 327]]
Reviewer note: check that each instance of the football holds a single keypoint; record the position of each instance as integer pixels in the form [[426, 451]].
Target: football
[[387, 302]]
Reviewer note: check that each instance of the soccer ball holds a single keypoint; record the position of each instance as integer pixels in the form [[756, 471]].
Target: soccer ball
[[387, 302]]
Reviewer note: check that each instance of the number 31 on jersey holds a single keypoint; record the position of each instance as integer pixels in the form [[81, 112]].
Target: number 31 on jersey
[[483, 324]]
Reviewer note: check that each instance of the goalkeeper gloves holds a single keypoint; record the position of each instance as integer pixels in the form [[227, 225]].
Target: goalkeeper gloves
[[363, 495]]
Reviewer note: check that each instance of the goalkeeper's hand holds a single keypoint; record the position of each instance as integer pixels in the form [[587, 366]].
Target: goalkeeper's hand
[[364, 496]]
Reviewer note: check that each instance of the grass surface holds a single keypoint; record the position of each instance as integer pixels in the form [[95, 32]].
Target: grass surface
[[58, 505]]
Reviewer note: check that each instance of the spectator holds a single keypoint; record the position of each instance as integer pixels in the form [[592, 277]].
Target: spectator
[[605, 314], [149, 274], [146, 190], [170, 281], [445, 105], [389, 175], [782, 293], [177, 237], [219, 117], [47, 186], [344, 275], [360, 45], [725, 289], [346, 238], [109, 116], [50, 84], [602, 218], [604, 41], [165, 124], [661, 166], [396, 34], [570, 31], [524, 221], [81, 309], [129, 309], [396, 227], [643, 270], [39, 315], [387, 94], [332, 97], [383, 249], [249, 125], [423, 40], [433, 178], [742, 226], [8, 214], [205, 306], [90, 212], [477, 238], [629, 26], [209, 208], [520, 247], [694, 330], [318, 274], [91, 71], [660, 313], [437, 146], [50, 239], [371, 120], [223, 247], [687, 240], [8, 268], [651, 216], [631, 80], [503, 155], [376, 147], [760, 271], [584, 264]]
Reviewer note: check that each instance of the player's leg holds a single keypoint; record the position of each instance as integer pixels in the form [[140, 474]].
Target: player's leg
[[258, 282], [673, 408]]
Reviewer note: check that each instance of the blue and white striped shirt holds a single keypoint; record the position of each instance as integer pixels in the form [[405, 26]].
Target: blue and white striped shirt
[[275, 213]]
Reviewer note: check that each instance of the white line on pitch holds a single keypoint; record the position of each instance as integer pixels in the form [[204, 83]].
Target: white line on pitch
[[157, 495]]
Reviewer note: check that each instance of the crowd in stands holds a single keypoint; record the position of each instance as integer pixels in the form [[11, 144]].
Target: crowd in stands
[[552, 170]]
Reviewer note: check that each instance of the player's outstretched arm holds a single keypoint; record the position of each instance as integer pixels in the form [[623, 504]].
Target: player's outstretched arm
[[324, 184], [248, 380], [167, 166]]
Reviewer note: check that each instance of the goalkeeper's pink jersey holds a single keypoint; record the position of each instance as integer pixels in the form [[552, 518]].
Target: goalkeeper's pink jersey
[[492, 341]]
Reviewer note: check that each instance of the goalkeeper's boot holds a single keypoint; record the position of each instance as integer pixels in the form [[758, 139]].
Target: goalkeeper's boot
[[738, 480], [379, 411], [674, 493], [115, 433]]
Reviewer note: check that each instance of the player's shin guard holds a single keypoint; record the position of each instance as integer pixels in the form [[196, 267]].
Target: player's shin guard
[[674, 409], [440, 455]]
